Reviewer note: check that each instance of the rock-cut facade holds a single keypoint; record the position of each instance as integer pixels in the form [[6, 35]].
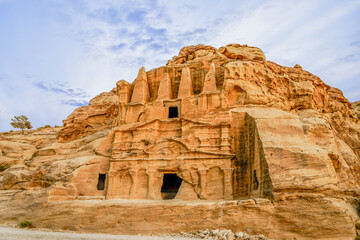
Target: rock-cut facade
[[214, 124], [215, 139]]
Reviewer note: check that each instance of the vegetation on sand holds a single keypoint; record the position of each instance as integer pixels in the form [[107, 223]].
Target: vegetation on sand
[[21, 122], [25, 224]]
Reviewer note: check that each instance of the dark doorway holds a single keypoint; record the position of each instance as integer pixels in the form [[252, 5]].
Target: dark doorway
[[171, 185], [101, 182], [173, 112]]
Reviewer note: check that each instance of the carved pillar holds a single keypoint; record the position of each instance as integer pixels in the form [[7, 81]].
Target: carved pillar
[[133, 174], [111, 184], [154, 192], [203, 182], [228, 189], [225, 139]]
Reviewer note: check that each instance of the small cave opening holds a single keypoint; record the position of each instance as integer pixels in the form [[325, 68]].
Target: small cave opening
[[101, 182], [173, 112], [171, 185]]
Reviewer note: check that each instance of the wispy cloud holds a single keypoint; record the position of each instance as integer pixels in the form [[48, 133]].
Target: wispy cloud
[[74, 102], [63, 89], [117, 47]]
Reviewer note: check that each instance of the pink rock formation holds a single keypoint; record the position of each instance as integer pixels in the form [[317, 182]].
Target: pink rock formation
[[276, 147]]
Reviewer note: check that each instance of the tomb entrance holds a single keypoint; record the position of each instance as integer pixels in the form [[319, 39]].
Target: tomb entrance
[[101, 181], [170, 186]]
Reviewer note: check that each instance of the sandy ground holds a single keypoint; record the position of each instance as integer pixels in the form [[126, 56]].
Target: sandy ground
[[23, 234]]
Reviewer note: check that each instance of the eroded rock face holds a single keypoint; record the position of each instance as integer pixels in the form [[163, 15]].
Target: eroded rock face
[[213, 124], [99, 115], [243, 52], [356, 106]]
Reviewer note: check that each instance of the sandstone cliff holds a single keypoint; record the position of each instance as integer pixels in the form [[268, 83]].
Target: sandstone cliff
[[272, 144], [356, 106]]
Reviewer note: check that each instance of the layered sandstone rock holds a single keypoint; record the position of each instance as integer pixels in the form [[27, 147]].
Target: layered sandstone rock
[[356, 106], [213, 124], [99, 115]]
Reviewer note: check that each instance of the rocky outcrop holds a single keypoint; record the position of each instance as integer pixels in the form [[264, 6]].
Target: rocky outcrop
[[18, 148], [356, 106], [261, 142], [33, 165], [243, 52], [99, 115]]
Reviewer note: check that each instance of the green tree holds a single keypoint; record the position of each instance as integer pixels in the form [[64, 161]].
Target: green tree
[[21, 122]]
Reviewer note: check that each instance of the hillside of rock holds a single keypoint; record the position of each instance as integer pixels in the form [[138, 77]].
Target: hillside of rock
[[247, 140]]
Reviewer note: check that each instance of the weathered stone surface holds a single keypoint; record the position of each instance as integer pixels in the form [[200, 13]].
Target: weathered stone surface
[[141, 88], [356, 106], [243, 52], [55, 162], [272, 149], [185, 87], [190, 53], [17, 150], [303, 216], [210, 80], [165, 90], [100, 114]]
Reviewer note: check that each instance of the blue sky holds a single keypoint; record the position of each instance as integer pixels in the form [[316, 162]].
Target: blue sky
[[55, 55]]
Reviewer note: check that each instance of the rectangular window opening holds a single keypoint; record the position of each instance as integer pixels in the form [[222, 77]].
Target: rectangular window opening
[[173, 112]]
